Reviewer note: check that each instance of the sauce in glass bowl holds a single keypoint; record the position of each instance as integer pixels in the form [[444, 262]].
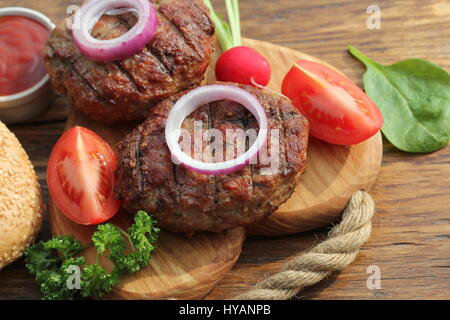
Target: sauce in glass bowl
[[22, 42]]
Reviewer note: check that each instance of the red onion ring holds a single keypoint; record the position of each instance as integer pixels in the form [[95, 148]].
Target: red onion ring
[[119, 48], [201, 96]]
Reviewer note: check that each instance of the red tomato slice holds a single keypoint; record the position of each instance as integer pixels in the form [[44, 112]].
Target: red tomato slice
[[338, 111], [80, 177]]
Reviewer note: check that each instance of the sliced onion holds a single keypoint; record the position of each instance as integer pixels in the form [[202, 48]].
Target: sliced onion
[[119, 48], [201, 96]]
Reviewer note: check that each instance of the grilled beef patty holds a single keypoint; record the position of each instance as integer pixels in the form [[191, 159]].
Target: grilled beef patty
[[186, 201], [173, 61]]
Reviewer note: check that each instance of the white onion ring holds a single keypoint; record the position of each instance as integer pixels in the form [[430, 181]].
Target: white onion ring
[[201, 96], [119, 48]]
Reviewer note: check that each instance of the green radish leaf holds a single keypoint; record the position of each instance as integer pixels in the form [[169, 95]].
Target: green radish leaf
[[228, 33], [414, 98]]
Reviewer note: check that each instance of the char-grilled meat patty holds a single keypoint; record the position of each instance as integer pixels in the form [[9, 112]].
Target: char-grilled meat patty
[[185, 201], [175, 60]]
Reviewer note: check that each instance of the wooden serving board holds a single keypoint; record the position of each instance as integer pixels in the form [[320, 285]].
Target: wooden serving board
[[188, 268], [333, 173]]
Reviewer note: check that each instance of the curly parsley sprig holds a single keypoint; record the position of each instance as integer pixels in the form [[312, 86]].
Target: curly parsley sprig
[[52, 271]]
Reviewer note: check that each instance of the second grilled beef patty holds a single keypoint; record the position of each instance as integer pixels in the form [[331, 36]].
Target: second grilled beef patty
[[186, 201], [126, 90]]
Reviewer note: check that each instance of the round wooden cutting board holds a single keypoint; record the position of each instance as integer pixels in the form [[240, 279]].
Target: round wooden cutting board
[[188, 268], [333, 173]]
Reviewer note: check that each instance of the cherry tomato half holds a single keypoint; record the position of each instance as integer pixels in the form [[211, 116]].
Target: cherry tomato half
[[80, 177], [338, 111]]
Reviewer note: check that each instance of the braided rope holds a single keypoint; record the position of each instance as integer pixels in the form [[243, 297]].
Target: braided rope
[[335, 253]]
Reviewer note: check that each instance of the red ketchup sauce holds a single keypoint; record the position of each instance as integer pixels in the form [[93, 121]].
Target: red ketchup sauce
[[22, 42]]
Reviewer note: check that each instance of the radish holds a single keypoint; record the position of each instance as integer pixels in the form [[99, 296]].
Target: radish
[[238, 63]]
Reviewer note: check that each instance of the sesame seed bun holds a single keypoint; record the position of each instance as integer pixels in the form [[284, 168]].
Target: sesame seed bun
[[21, 207]]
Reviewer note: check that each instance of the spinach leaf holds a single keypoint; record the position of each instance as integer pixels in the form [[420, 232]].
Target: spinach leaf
[[414, 98]]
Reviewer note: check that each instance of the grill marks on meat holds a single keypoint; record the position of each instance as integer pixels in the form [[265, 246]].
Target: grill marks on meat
[[68, 77], [195, 34], [192, 184], [175, 60], [186, 201], [233, 191]]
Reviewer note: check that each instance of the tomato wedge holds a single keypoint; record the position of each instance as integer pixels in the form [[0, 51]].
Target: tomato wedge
[[80, 177], [338, 111]]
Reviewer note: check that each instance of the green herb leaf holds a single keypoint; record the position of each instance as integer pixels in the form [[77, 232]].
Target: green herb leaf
[[53, 285], [108, 237], [96, 282], [50, 270], [414, 98], [53, 273], [142, 234], [38, 258], [66, 245]]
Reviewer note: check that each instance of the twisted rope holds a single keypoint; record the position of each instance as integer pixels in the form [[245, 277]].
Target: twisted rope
[[335, 253]]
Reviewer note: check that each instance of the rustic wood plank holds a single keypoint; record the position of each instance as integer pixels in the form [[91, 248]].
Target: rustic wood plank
[[412, 226]]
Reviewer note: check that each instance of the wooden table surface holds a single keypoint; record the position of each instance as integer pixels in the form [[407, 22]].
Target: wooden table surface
[[411, 238]]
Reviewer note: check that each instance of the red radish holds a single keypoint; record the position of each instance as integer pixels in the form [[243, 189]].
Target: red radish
[[243, 65], [239, 64]]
